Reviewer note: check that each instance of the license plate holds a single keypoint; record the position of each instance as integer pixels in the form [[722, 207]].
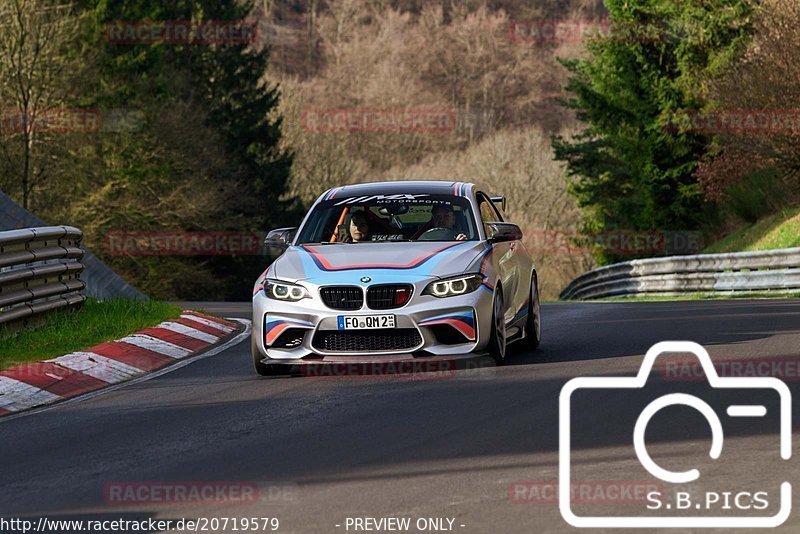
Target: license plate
[[365, 322]]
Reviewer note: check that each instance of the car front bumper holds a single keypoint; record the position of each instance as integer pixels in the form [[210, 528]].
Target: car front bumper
[[429, 316]]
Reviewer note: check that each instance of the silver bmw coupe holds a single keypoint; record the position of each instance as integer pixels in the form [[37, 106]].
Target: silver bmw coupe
[[397, 270]]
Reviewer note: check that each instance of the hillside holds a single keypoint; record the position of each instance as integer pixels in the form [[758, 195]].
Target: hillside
[[479, 66], [779, 230]]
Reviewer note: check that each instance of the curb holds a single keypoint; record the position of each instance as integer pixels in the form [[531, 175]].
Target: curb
[[36, 384]]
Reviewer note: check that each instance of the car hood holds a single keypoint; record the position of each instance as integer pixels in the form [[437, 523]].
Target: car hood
[[347, 263]]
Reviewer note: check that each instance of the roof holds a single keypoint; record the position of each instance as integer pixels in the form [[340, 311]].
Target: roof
[[400, 187]]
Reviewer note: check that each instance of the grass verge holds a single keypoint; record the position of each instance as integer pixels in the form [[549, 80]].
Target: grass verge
[[779, 230], [69, 331]]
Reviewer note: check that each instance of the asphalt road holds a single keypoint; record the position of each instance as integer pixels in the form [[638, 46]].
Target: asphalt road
[[452, 446]]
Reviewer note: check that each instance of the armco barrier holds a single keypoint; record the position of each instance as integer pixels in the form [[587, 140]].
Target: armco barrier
[[39, 271], [767, 270], [101, 282]]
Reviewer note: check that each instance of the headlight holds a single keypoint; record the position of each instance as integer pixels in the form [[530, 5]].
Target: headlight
[[284, 291], [452, 287]]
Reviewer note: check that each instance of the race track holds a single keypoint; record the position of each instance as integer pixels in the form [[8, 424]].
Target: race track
[[450, 446]]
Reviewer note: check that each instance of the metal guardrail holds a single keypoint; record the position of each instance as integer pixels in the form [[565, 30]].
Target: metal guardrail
[[101, 282], [39, 271], [768, 270]]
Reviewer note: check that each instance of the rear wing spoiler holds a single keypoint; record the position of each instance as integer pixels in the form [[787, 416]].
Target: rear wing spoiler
[[499, 199]]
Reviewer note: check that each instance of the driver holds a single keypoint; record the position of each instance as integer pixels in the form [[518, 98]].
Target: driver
[[359, 228], [442, 216]]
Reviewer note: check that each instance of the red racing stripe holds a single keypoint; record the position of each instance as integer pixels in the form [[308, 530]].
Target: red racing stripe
[[143, 359], [54, 378], [176, 338], [202, 327], [324, 264]]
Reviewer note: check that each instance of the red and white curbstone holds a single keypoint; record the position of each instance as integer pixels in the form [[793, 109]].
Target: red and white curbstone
[[35, 384]]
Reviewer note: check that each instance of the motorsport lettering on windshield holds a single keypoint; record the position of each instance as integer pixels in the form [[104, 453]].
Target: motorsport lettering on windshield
[[390, 199]]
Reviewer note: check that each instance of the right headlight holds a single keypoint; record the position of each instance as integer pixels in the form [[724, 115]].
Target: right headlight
[[451, 287], [284, 291]]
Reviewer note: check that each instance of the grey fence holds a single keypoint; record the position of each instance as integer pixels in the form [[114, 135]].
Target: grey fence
[[745, 272], [40, 271]]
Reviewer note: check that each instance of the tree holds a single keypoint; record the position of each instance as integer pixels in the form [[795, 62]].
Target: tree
[[761, 87], [241, 108], [630, 168], [36, 63], [206, 157]]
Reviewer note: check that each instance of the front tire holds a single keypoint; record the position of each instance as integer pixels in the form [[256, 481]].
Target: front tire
[[498, 346], [261, 368], [533, 324]]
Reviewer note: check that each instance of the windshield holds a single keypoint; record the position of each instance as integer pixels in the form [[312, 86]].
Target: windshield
[[385, 218]]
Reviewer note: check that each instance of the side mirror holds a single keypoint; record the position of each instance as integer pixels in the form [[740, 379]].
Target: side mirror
[[278, 240], [498, 232]]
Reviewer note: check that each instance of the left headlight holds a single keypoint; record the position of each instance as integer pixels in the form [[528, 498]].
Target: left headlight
[[284, 291], [451, 287]]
